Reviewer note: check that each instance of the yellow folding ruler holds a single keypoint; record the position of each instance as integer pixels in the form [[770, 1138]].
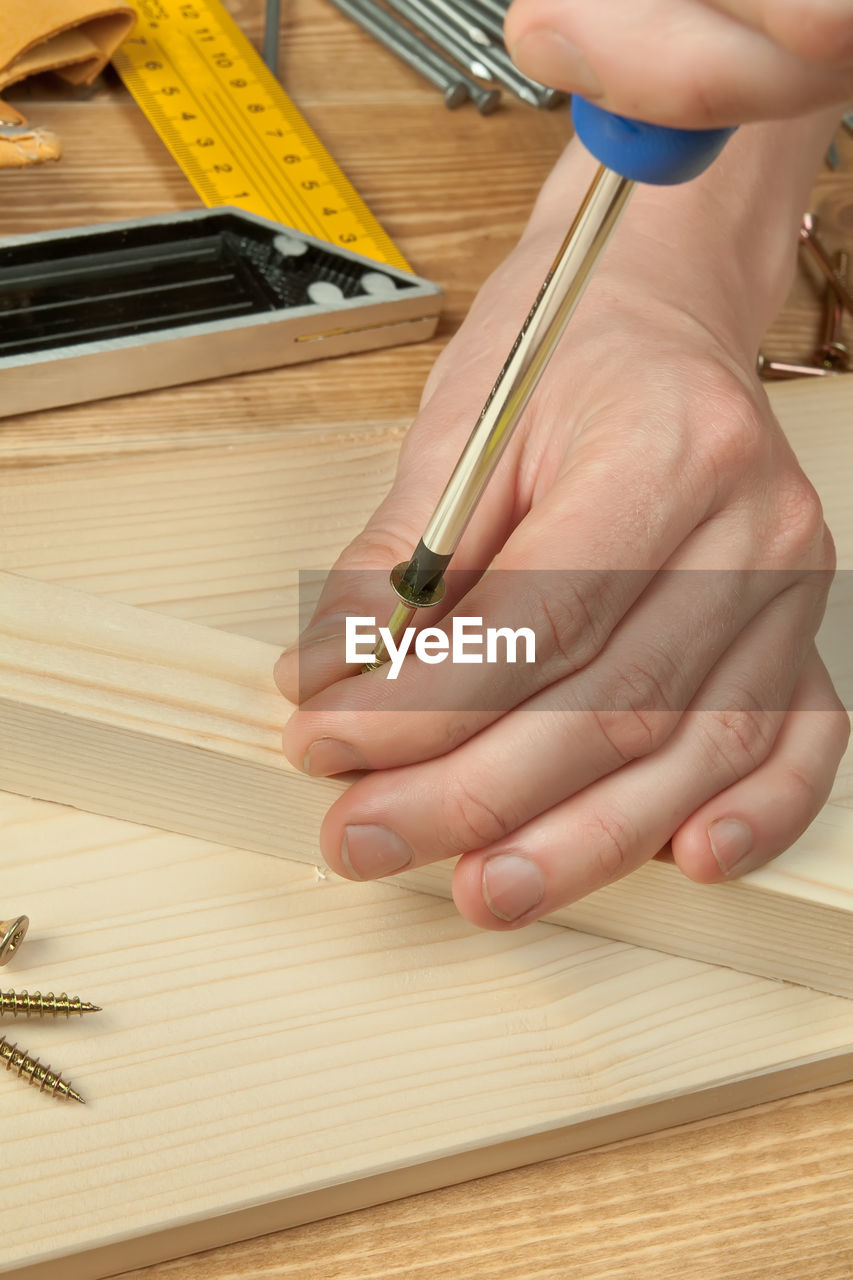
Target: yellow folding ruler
[[233, 130]]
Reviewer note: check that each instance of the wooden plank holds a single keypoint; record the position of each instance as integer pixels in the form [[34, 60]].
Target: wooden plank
[[127, 712], [275, 1047], [717, 1190], [132, 714]]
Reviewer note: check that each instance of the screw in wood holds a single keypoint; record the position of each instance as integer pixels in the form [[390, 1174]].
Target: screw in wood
[[16, 1002], [12, 933], [37, 1075]]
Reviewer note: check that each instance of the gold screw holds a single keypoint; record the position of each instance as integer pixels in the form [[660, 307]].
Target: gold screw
[[12, 933], [40, 1076], [16, 1002]]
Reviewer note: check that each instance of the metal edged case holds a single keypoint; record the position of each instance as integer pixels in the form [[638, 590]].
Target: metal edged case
[[92, 312]]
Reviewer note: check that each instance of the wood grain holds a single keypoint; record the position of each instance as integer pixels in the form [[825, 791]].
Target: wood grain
[[275, 1047], [763, 1195], [755, 1198], [128, 713]]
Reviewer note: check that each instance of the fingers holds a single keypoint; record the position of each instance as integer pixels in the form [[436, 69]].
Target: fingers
[[613, 505], [571, 613], [359, 582], [682, 63], [615, 493], [481, 796], [608, 830], [748, 824], [358, 585]]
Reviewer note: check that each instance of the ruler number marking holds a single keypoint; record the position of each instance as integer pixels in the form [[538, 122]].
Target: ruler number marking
[[276, 199], [289, 200], [301, 185]]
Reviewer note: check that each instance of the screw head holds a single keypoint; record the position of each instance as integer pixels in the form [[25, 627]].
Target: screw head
[[12, 934], [808, 226], [454, 95], [833, 355]]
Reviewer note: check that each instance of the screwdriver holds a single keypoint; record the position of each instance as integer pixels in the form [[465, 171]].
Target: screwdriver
[[628, 152]]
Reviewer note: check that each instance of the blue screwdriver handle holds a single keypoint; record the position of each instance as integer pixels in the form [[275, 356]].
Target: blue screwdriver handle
[[650, 153]]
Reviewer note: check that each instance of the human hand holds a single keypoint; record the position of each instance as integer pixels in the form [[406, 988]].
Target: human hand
[[677, 693], [689, 63]]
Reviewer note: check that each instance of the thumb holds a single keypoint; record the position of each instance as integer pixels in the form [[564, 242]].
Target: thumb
[[358, 584]]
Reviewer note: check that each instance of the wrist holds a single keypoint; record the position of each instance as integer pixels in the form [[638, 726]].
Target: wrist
[[721, 248]]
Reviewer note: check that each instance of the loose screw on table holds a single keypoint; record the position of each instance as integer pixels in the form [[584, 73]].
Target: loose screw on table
[[16, 1002], [36, 1074], [12, 934]]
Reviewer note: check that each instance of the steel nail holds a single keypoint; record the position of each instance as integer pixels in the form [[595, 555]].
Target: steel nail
[[777, 370], [485, 41], [453, 43], [409, 48], [497, 8], [833, 352], [491, 25]]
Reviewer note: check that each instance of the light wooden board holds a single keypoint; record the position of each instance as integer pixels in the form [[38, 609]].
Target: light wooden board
[[202, 534], [275, 1047], [763, 1194], [129, 713]]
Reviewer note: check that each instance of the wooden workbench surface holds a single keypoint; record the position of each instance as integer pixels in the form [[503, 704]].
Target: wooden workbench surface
[[766, 1193]]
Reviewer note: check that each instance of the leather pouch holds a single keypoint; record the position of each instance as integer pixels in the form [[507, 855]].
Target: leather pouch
[[73, 38]]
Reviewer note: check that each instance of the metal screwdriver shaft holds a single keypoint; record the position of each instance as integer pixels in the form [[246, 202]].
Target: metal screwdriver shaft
[[419, 583]]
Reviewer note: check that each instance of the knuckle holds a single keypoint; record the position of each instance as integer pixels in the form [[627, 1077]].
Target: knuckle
[[614, 841], [636, 717], [567, 626], [737, 739], [799, 520], [734, 438], [469, 822], [800, 791]]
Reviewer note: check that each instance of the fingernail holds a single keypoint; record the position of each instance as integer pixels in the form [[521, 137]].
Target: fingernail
[[327, 756], [372, 851], [731, 842], [547, 56], [511, 885]]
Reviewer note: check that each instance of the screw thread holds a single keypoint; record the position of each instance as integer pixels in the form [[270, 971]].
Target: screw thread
[[16, 1002], [37, 1074]]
